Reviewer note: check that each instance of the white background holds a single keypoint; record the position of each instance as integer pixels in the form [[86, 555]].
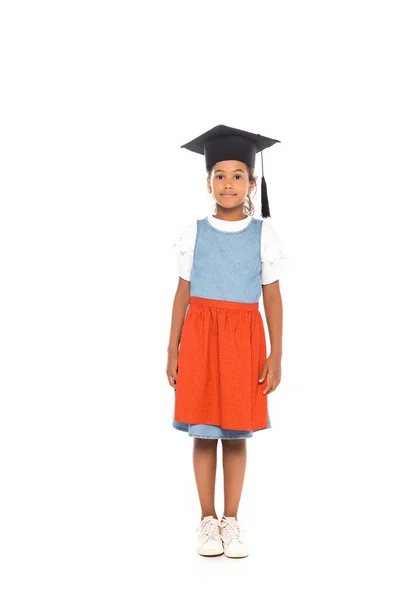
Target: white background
[[98, 495]]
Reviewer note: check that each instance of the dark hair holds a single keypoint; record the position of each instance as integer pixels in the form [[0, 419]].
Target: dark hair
[[249, 207]]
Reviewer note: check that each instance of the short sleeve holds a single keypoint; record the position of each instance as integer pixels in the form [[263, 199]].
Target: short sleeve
[[184, 247], [273, 255]]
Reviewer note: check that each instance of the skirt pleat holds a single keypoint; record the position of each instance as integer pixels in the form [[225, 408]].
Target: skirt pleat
[[221, 356]]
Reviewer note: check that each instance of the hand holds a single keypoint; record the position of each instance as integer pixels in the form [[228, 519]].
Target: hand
[[172, 367], [272, 371]]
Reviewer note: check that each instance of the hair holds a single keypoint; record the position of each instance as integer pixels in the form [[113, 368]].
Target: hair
[[248, 207]]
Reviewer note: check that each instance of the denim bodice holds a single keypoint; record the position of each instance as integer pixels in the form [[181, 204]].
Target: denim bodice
[[227, 264]]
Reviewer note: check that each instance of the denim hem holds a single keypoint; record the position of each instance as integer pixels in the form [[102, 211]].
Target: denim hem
[[179, 428], [210, 437]]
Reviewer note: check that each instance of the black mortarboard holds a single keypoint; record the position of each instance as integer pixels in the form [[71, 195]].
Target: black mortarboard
[[227, 143]]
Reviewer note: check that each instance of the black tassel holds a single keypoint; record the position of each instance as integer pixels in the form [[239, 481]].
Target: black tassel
[[264, 197]]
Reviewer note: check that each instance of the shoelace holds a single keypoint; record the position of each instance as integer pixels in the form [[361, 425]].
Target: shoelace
[[209, 529], [230, 530]]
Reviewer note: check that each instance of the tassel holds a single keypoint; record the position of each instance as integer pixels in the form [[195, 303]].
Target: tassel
[[264, 197]]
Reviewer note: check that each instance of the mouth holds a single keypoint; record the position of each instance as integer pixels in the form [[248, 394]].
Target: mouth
[[228, 194]]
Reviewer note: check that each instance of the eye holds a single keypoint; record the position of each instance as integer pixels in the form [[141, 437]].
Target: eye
[[218, 176], [237, 175]]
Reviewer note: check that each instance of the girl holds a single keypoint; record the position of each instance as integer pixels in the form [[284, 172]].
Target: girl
[[217, 361]]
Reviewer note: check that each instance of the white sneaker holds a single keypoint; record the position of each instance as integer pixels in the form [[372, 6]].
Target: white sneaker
[[209, 539], [234, 546]]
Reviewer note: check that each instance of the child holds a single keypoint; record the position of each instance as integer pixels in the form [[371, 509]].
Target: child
[[217, 361]]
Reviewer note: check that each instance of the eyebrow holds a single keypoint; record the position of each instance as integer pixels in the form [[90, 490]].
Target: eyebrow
[[222, 171]]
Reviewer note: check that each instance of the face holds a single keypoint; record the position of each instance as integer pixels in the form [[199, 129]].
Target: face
[[229, 183]]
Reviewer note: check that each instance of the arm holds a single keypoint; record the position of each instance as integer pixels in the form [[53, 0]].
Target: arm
[[180, 305], [274, 315]]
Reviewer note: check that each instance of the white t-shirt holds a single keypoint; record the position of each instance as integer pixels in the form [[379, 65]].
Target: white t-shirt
[[273, 254]]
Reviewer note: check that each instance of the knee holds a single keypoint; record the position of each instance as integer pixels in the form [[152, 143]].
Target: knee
[[233, 444], [205, 444]]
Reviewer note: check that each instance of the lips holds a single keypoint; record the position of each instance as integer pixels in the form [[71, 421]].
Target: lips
[[229, 194]]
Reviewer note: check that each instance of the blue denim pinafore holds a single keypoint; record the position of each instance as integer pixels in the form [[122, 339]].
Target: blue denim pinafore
[[226, 266]]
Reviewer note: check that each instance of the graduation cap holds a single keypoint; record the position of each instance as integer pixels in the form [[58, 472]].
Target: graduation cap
[[227, 143]]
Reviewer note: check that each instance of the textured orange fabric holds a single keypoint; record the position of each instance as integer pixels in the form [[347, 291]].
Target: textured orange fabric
[[221, 355]]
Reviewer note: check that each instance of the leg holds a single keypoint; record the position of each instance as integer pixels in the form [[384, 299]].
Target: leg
[[234, 464], [205, 468]]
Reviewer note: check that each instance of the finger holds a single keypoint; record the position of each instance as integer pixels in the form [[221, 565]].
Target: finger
[[266, 390], [270, 384], [263, 374], [274, 386], [172, 380]]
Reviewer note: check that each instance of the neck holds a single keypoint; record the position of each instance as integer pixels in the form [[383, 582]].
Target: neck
[[230, 214]]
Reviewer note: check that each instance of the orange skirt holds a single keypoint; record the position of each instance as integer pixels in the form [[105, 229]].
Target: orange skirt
[[221, 356]]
